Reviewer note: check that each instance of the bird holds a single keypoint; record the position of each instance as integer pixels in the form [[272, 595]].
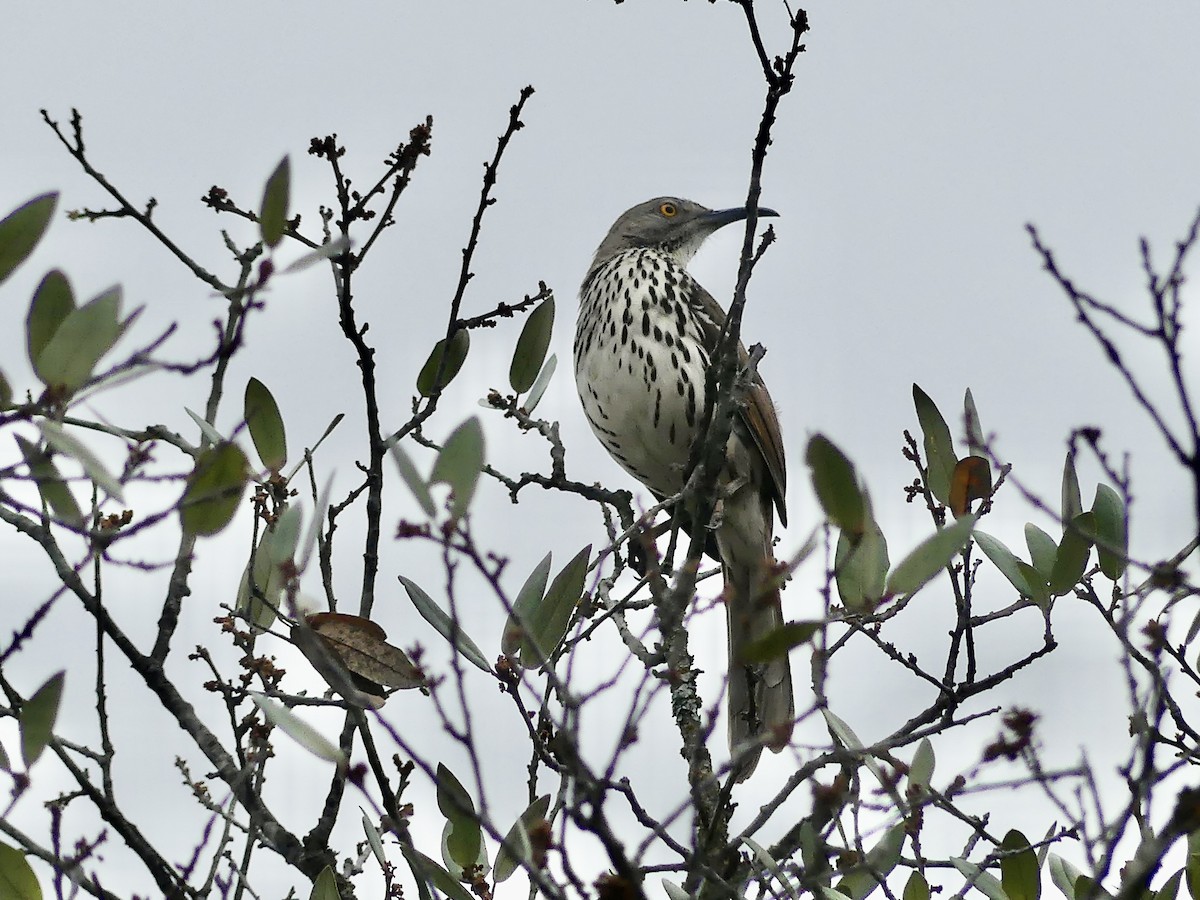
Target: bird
[[645, 336]]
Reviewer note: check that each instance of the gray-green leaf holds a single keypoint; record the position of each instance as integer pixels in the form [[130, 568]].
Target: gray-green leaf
[[444, 625], [272, 218], [460, 463], [930, 556], [54, 491], [38, 714], [1112, 540], [428, 381], [266, 425], [1019, 874], [17, 881], [85, 335], [534, 397], [21, 230], [516, 849], [297, 729], [417, 485], [325, 887], [465, 838], [214, 489], [939, 447], [836, 484], [531, 347], [52, 302]]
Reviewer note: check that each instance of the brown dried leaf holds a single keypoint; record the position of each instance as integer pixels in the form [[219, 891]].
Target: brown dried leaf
[[362, 647]]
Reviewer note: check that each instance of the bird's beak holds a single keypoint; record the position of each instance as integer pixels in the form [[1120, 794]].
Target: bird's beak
[[719, 218]]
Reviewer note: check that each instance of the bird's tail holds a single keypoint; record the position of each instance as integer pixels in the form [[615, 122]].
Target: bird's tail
[[761, 703]]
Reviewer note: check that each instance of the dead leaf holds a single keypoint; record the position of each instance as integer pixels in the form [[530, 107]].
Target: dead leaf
[[362, 647], [971, 480]]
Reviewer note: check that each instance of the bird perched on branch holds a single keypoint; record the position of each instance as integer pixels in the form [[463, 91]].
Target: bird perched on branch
[[645, 337]]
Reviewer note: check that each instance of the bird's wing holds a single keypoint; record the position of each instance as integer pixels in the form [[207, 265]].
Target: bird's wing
[[758, 412]]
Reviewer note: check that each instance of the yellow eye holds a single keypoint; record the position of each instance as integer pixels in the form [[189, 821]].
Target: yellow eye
[[668, 210]]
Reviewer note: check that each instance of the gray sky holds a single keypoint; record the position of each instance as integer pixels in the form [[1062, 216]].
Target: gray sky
[[918, 142]]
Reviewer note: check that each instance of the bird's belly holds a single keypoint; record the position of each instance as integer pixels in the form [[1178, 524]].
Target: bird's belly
[[643, 400]]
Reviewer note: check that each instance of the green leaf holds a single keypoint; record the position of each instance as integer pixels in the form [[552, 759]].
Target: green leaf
[[297, 729], [71, 446], [1085, 886], [21, 230], [920, 770], [6, 394], [976, 445], [516, 849], [428, 871], [417, 485], [272, 220], [1063, 874], [325, 887], [531, 347], [836, 485], [214, 489], [17, 881], [528, 599], [939, 447], [374, 839], [779, 641], [460, 463], [930, 557], [1170, 888], [880, 861], [1043, 549], [861, 565], [1112, 540], [86, 334], [534, 397], [206, 430], [259, 598], [444, 625], [52, 302], [266, 425], [1006, 561], [1192, 866], [1072, 505], [37, 718], [54, 491], [547, 627], [848, 739], [465, 839], [1073, 554], [916, 888], [460, 344], [1019, 872], [987, 883], [769, 863]]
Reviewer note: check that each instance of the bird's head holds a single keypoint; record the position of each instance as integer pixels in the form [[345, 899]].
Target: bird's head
[[674, 226]]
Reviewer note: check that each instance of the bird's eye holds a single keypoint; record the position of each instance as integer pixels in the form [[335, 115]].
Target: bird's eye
[[668, 210]]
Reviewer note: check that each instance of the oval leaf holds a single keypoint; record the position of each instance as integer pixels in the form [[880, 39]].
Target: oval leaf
[[325, 887], [17, 881], [1073, 555], [1112, 539], [6, 394], [54, 491], [779, 642], [861, 567], [428, 871], [1004, 560], [546, 623], [528, 599], [214, 489], [531, 347], [428, 381], [1043, 549], [916, 888], [939, 447], [975, 441], [444, 625], [987, 883], [1019, 871], [836, 484], [930, 557], [534, 397], [516, 847], [37, 718], [266, 425], [465, 839], [272, 218], [21, 230], [920, 770], [417, 485], [361, 646], [85, 335], [1063, 874], [460, 463], [1072, 505], [52, 302], [297, 729], [71, 446]]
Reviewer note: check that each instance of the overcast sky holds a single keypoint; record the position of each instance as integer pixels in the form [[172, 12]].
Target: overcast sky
[[919, 140]]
